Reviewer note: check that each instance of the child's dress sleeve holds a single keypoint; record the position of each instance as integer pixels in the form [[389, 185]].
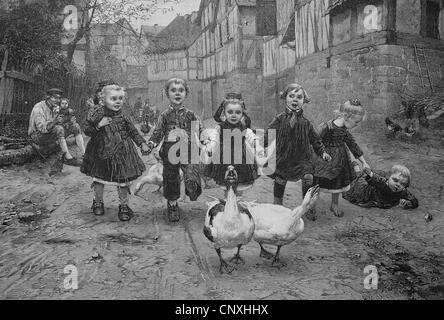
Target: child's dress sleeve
[[412, 201], [275, 123], [315, 141], [134, 134], [323, 130], [90, 129], [159, 131], [376, 180], [353, 146]]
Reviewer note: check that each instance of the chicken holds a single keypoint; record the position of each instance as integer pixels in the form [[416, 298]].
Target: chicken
[[279, 226], [392, 126], [228, 224]]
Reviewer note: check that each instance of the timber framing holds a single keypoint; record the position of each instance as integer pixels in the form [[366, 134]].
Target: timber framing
[[16, 75]]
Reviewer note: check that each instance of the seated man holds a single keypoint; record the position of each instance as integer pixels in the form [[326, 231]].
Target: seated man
[[45, 126]]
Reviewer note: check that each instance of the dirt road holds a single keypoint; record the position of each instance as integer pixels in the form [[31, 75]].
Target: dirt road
[[47, 225]]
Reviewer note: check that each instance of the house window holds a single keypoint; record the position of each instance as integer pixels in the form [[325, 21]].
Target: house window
[[352, 20], [266, 18], [228, 29], [431, 25], [111, 40], [221, 40]]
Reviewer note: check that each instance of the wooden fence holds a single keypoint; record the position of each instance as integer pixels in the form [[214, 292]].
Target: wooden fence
[[19, 92]]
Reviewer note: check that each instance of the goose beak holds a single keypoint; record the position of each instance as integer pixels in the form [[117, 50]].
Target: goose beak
[[231, 176], [315, 190]]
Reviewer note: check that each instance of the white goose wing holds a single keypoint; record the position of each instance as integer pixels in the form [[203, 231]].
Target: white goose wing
[[214, 208], [272, 221]]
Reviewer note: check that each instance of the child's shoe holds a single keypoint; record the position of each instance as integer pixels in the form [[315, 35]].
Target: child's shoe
[[98, 208], [125, 213], [173, 212]]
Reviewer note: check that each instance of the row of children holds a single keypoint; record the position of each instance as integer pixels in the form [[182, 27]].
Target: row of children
[[111, 158]]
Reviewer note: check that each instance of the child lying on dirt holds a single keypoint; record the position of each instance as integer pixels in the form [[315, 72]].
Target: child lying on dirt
[[371, 189]]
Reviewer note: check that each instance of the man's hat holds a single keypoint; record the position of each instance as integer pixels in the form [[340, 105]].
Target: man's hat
[[54, 91]]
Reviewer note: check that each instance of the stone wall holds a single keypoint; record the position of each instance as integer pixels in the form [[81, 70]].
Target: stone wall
[[375, 75]]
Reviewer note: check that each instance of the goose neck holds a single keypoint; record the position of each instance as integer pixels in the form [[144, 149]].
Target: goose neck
[[231, 205]]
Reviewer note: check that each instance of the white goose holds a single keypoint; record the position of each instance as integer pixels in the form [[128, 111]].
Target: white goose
[[227, 224], [279, 226], [154, 176]]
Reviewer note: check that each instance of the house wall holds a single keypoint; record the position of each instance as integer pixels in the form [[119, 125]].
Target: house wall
[[311, 28], [369, 64], [409, 16], [278, 62], [375, 75], [408, 13], [168, 65]]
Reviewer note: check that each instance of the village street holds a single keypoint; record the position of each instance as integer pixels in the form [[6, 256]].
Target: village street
[[150, 258]]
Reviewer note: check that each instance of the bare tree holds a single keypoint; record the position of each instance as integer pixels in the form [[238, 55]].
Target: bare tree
[[111, 11]]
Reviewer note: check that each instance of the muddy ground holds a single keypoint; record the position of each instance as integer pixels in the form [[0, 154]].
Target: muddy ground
[[46, 224]]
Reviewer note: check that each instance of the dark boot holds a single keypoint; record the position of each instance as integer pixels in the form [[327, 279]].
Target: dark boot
[[125, 213], [278, 201], [192, 189], [173, 212], [98, 208]]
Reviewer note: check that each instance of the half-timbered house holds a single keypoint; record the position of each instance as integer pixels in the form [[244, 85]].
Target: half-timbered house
[[279, 54], [171, 53], [115, 51], [374, 50]]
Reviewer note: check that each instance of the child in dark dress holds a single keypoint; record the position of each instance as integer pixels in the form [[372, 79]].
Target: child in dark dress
[[371, 189], [294, 135], [219, 140], [335, 176], [111, 157]]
